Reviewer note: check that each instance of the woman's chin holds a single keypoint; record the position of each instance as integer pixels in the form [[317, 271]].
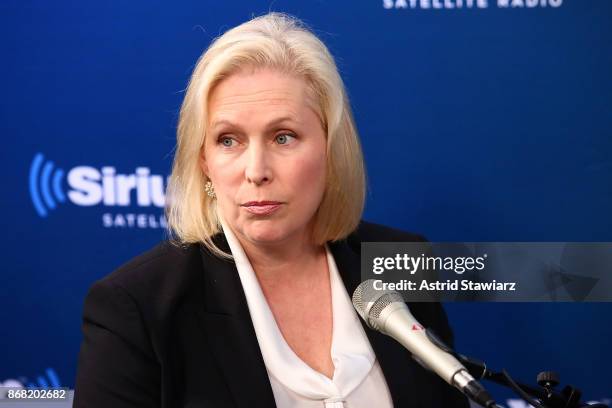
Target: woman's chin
[[265, 234], [265, 237]]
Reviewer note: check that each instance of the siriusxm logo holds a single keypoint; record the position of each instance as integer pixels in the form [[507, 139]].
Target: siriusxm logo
[[88, 186]]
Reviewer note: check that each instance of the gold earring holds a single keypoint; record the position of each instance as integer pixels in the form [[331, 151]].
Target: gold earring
[[210, 190]]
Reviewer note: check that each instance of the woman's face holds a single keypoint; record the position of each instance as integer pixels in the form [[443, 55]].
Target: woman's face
[[265, 153]]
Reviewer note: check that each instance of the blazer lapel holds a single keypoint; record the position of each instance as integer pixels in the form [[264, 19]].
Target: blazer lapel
[[233, 339], [394, 360]]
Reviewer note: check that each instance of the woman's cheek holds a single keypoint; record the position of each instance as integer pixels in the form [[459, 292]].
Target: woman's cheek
[[311, 165]]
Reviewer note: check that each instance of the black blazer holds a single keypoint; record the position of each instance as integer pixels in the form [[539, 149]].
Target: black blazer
[[171, 328]]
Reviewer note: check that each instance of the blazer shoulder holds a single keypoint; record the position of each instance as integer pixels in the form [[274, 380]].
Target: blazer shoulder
[[159, 278], [126, 315], [160, 263], [369, 231]]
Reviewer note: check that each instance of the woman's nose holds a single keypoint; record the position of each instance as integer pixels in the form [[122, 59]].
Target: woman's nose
[[257, 169]]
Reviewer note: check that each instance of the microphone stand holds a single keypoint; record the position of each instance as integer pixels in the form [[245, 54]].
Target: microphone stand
[[543, 397]]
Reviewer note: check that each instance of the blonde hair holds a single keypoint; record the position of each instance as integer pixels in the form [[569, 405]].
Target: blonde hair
[[281, 42]]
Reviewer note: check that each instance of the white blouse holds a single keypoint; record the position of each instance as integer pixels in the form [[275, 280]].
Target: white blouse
[[358, 381]]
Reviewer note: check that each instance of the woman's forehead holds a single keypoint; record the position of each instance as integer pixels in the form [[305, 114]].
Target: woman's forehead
[[245, 93], [247, 89], [263, 85]]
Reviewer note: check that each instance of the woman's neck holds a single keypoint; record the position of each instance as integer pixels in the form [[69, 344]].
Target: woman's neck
[[285, 259]]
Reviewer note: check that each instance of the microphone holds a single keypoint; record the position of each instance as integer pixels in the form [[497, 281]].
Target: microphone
[[385, 311]]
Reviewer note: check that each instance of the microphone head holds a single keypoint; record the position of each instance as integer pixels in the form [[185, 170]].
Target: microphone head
[[370, 302]]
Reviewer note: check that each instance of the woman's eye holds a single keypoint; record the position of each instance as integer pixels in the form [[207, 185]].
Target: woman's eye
[[285, 138], [226, 141]]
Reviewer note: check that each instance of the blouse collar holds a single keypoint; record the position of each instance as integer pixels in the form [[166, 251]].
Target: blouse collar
[[351, 352]]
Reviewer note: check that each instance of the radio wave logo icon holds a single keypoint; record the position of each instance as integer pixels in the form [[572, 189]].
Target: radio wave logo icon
[[49, 379], [52, 380], [45, 185]]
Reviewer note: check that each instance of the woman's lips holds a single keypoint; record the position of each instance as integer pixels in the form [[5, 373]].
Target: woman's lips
[[262, 208]]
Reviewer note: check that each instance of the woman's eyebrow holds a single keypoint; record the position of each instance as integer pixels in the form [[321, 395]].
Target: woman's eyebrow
[[273, 123]]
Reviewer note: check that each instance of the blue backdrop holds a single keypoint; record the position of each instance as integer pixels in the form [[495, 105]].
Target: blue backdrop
[[478, 124]]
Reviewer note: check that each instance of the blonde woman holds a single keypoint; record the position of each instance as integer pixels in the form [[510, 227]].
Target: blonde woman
[[248, 304]]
